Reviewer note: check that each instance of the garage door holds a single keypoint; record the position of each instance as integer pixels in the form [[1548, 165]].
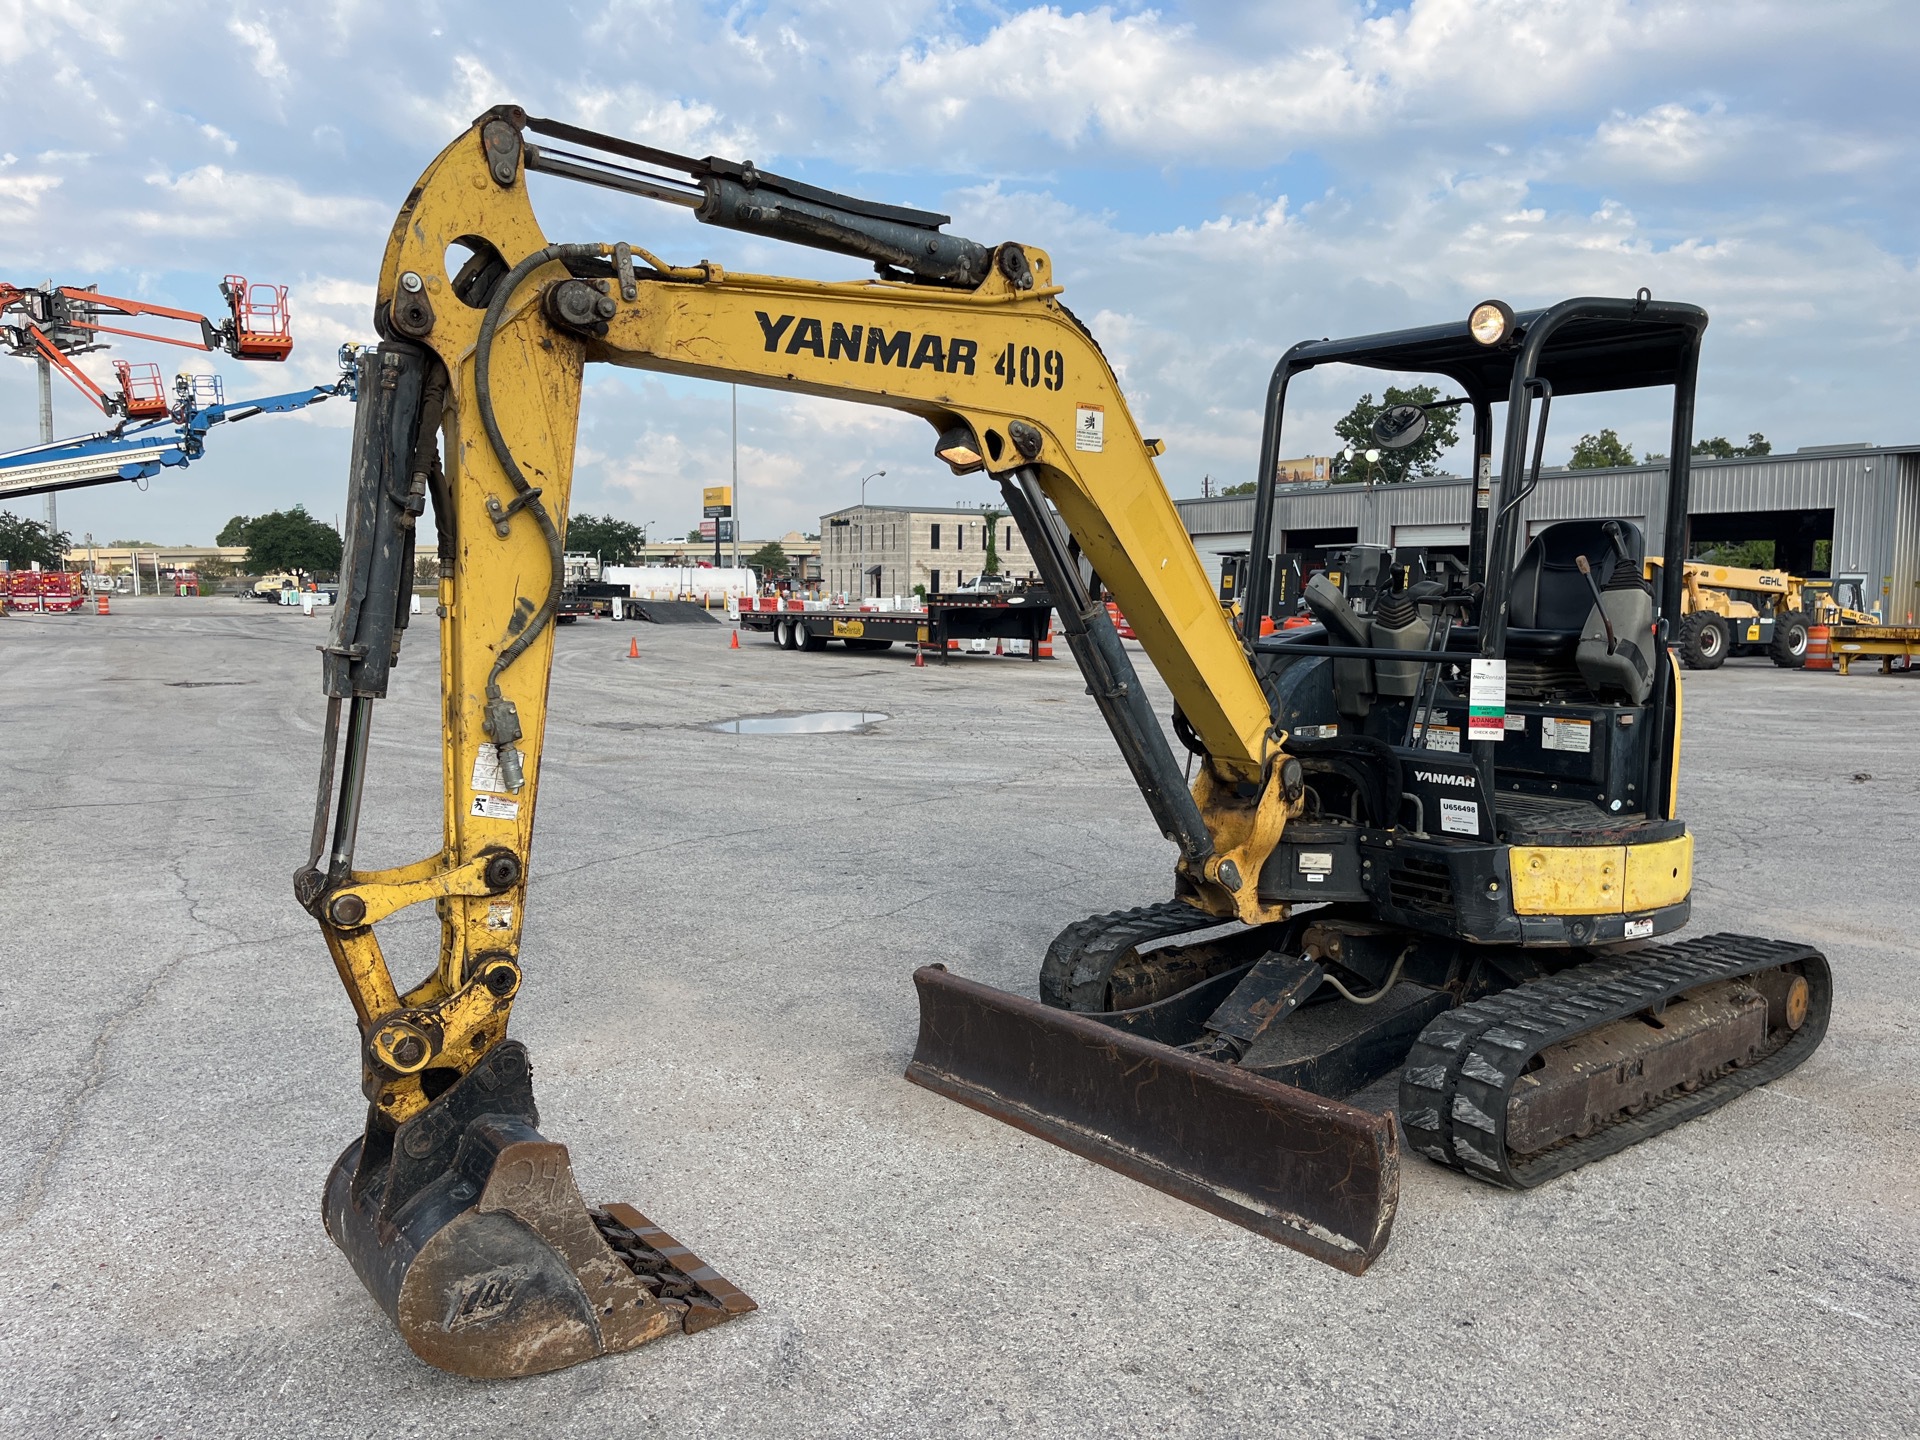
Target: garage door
[[1430, 535]]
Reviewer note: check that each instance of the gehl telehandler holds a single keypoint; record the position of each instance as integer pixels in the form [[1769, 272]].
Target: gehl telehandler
[[1352, 896]]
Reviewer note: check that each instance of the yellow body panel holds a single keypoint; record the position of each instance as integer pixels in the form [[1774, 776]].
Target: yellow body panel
[[1659, 875], [1600, 879], [1567, 879]]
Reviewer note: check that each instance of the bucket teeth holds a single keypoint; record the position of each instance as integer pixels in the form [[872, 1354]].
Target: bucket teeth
[[466, 1225]]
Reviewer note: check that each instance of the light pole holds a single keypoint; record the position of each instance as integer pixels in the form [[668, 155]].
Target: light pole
[[878, 474], [736, 475]]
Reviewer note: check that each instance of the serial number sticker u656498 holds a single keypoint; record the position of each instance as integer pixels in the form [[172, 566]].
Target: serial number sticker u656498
[[1460, 817]]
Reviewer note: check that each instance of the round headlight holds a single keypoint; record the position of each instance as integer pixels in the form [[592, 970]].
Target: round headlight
[[1491, 321]]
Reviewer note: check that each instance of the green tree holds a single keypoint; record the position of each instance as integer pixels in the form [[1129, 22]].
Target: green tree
[[992, 519], [1420, 458], [1721, 448], [26, 542], [292, 540], [1739, 554], [1600, 452], [616, 542], [234, 532], [770, 560], [1245, 487], [694, 537]]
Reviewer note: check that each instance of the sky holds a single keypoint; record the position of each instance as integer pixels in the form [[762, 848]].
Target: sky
[[1214, 182]]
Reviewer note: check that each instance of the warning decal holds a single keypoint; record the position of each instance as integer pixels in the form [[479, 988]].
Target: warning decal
[[1561, 734], [493, 807], [1089, 427], [486, 770]]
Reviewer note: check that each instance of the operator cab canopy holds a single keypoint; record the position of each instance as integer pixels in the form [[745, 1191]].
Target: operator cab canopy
[[1641, 344]]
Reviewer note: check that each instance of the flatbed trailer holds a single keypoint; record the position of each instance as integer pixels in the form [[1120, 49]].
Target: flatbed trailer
[[595, 599], [1885, 643], [1024, 615]]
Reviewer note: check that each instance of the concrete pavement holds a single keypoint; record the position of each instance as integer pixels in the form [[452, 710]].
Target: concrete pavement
[[720, 934]]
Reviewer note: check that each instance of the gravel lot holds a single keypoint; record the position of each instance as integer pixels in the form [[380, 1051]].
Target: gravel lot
[[720, 936]]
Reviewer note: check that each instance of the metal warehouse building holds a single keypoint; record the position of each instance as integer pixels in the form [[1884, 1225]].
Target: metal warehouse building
[[1865, 499]]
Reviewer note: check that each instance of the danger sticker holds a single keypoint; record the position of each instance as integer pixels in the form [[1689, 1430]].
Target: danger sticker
[[1517, 722], [1089, 427], [1639, 929], [493, 807], [1442, 737], [486, 770], [1575, 736], [1460, 817]]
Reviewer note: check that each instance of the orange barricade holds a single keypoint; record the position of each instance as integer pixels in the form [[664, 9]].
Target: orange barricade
[[1819, 647]]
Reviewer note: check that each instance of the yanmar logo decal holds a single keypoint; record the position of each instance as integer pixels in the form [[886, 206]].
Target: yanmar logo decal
[[1023, 365], [867, 344], [1440, 777]]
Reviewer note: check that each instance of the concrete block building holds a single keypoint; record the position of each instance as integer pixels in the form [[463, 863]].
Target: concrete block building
[[876, 550]]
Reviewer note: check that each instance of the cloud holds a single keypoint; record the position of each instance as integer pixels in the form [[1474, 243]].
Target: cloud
[[260, 44], [211, 200], [1213, 182], [20, 195]]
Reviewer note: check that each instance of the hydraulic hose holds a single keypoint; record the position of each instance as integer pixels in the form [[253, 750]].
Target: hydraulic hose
[[527, 497]]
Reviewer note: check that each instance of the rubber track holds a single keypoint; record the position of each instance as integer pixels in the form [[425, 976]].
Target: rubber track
[[1461, 1071], [1082, 957]]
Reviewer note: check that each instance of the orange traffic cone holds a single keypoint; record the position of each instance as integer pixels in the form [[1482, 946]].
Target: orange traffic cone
[[919, 657], [100, 604], [736, 641], [633, 648], [998, 648]]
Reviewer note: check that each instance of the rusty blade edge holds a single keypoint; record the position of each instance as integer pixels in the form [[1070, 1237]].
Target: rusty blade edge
[[1374, 1187]]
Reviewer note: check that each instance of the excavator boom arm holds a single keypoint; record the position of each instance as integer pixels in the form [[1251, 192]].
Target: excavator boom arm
[[492, 353], [472, 400]]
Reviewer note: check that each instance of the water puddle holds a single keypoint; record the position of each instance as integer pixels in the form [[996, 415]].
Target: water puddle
[[813, 722]]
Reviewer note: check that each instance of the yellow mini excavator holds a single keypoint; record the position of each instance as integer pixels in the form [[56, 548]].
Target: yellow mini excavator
[[1427, 839]]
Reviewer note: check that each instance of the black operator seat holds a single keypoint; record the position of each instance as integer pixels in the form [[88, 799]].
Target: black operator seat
[[1549, 592]]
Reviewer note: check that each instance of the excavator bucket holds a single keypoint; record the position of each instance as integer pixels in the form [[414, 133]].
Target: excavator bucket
[[466, 1226], [1312, 1173]]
